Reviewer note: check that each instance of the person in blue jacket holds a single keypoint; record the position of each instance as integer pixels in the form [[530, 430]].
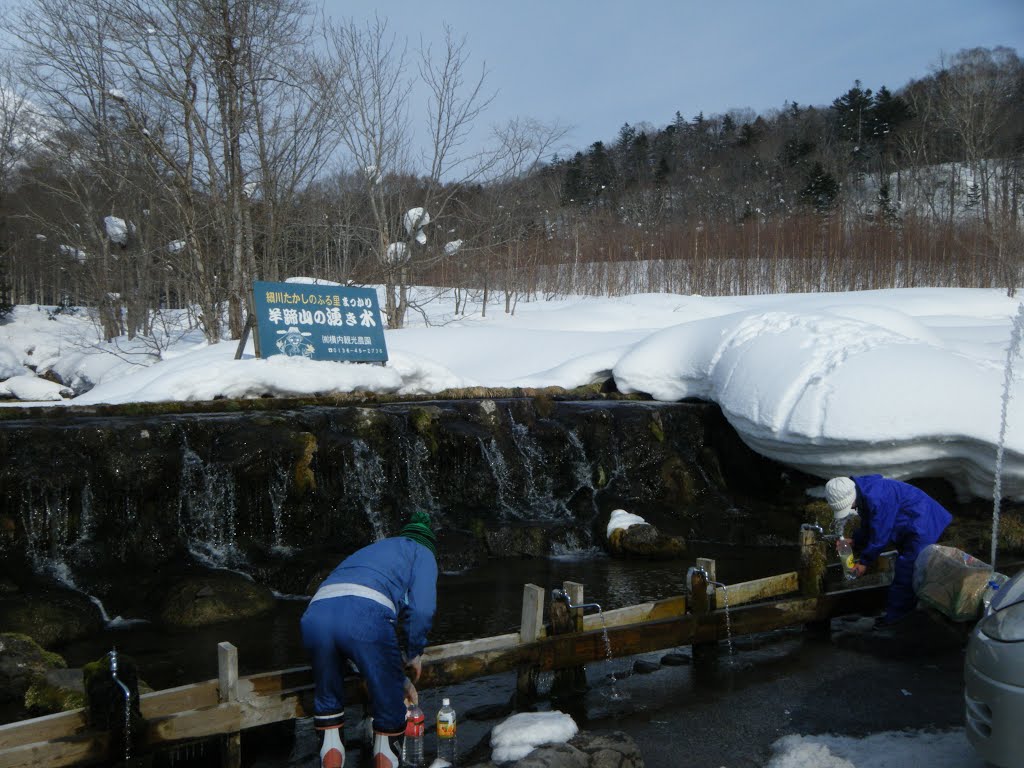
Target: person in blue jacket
[[355, 615], [892, 514]]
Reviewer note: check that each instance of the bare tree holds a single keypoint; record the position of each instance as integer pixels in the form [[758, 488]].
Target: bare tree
[[406, 191]]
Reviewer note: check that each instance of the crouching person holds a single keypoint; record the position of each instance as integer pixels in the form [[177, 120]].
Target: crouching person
[[354, 616]]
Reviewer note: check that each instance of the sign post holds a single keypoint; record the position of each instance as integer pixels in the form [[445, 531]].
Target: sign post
[[321, 322]]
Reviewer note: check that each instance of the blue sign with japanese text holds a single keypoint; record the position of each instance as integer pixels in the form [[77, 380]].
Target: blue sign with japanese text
[[321, 322]]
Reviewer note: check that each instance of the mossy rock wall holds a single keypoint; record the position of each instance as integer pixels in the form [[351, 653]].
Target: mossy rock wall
[[116, 500]]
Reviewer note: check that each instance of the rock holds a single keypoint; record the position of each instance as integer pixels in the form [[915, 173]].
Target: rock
[[52, 618], [644, 540], [584, 750], [675, 659], [554, 756], [608, 750], [208, 598], [59, 690], [644, 667], [23, 662]]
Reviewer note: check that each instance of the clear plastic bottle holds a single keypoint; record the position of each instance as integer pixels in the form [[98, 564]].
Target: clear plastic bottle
[[447, 747], [412, 744], [845, 550]]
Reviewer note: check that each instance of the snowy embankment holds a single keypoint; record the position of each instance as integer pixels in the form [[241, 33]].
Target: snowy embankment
[[908, 383]]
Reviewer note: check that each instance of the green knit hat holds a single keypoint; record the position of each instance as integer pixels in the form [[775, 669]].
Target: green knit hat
[[418, 529]]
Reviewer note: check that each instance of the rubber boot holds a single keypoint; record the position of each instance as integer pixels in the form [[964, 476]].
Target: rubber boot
[[332, 750], [387, 749]]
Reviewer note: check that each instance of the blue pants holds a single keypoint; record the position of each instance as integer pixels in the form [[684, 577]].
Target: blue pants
[[337, 629]]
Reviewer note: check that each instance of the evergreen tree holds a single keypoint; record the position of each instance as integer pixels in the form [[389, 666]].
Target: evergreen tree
[[821, 190], [853, 115]]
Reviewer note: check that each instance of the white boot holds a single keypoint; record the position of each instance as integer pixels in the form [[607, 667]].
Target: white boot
[[332, 752], [387, 749]]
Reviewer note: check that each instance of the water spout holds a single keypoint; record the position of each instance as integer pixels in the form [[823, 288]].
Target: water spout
[[116, 679], [127, 704], [822, 536], [561, 594]]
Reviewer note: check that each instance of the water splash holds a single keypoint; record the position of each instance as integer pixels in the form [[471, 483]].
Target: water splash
[[207, 511], [538, 492], [728, 618], [614, 693], [277, 492], [417, 462], [501, 474], [1012, 351], [367, 480]]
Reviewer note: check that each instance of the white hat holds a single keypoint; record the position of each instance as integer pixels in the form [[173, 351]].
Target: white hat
[[841, 494]]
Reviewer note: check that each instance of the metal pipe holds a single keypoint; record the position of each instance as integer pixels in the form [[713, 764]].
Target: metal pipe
[[116, 679], [561, 594]]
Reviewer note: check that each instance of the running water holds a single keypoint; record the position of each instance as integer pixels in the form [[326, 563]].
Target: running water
[[614, 694], [728, 618], [1012, 351]]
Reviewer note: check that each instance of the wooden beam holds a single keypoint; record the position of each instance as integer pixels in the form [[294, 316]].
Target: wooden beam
[[745, 592], [658, 609], [58, 726], [89, 747]]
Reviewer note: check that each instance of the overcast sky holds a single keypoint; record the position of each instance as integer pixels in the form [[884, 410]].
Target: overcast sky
[[596, 64]]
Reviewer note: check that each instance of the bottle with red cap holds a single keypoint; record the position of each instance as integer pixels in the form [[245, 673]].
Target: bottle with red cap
[[412, 744]]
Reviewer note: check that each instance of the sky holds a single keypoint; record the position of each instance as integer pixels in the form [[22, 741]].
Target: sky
[[907, 383], [597, 64]]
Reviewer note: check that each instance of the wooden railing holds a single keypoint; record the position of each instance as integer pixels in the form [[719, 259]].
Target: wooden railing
[[231, 704]]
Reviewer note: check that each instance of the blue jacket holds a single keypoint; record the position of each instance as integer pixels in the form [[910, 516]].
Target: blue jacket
[[406, 572], [894, 513]]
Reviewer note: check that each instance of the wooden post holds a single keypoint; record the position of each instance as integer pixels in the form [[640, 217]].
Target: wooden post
[[530, 627], [571, 681], [812, 576], [227, 679], [709, 567], [812, 562], [704, 653], [249, 327]]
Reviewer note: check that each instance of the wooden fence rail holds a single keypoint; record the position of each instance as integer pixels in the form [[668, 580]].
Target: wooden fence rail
[[232, 704]]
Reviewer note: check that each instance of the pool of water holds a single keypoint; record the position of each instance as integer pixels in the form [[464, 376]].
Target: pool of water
[[480, 602]]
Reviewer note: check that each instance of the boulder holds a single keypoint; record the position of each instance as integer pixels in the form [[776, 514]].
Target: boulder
[[23, 662], [584, 750], [644, 540], [59, 690], [212, 597], [52, 618]]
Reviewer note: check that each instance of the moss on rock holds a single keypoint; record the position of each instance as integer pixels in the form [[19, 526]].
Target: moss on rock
[[304, 479], [209, 598]]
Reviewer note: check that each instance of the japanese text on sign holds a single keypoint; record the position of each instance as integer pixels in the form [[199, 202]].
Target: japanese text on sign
[[319, 322]]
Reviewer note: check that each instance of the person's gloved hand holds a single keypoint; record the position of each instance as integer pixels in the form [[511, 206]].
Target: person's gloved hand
[[415, 667], [409, 692]]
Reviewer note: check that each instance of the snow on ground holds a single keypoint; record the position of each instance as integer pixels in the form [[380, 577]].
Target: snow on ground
[[893, 749], [906, 383]]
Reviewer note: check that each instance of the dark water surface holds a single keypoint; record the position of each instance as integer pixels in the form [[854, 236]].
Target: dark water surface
[[476, 603], [727, 713]]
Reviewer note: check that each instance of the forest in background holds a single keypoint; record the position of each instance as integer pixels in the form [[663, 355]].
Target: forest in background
[[163, 154]]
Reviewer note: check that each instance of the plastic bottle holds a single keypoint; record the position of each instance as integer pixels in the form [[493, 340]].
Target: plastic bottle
[[412, 744], [447, 748], [845, 550]]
